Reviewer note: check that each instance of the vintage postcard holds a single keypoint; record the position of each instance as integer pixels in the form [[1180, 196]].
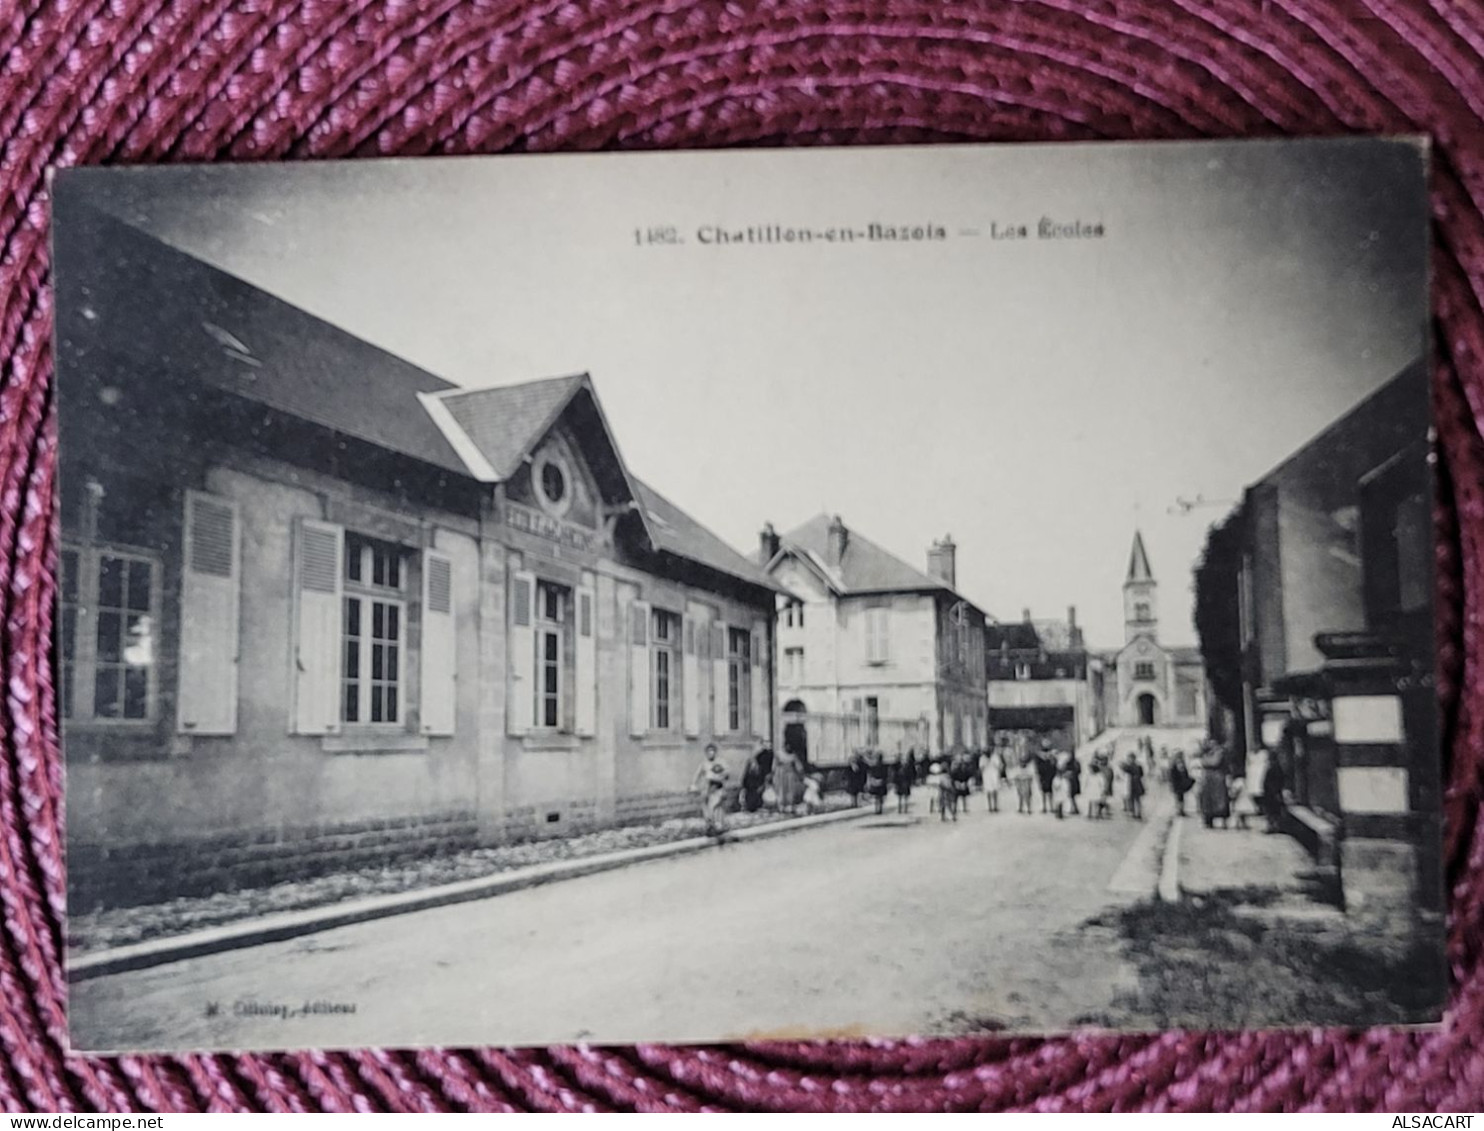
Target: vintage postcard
[[733, 595]]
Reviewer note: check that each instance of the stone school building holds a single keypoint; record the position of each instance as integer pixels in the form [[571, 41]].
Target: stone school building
[[319, 608]]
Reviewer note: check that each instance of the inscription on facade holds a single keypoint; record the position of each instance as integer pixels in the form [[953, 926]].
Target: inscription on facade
[[531, 521]]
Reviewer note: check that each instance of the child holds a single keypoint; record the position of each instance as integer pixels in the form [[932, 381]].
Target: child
[[1243, 804], [1025, 783], [934, 784], [813, 794], [1101, 789], [711, 782], [906, 772], [948, 793], [1061, 786], [1135, 773], [994, 774]]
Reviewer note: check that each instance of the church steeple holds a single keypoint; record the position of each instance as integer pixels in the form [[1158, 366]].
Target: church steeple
[[1138, 561], [1140, 615]]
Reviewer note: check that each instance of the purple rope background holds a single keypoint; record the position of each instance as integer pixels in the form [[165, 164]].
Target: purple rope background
[[112, 81]]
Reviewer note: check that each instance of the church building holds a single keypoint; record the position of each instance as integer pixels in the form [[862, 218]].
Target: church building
[[1151, 684]]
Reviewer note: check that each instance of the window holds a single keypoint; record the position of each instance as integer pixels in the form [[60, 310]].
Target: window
[[1141, 612], [551, 619], [873, 721], [1022, 670], [739, 678], [878, 627], [793, 614], [553, 483], [109, 672], [110, 599], [1144, 669], [793, 665], [666, 637], [373, 632]]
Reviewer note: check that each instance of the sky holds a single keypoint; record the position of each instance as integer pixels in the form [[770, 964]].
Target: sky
[[1037, 399]]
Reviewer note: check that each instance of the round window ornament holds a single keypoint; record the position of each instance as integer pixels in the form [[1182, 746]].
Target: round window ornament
[[553, 482]]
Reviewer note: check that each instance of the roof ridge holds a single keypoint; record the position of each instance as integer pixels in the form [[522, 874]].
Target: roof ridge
[[272, 296]]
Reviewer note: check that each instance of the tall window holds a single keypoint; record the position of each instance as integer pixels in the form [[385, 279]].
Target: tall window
[[665, 637], [109, 672], [793, 664], [739, 678], [873, 721], [551, 618], [1141, 612], [878, 642], [374, 632], [110, 601]]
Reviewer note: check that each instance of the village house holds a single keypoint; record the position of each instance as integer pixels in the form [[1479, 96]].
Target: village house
[[873, 652], [1330, 568], [1043, 680], [319, 607]]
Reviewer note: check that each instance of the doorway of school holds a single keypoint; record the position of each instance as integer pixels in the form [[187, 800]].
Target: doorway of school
[[1148, 710]]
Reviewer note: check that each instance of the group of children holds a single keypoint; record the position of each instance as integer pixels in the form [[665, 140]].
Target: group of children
[[1058, 776]]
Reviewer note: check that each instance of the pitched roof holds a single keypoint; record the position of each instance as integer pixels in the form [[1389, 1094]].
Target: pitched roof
[[676, 532], [864, 567], [1017, 637], [126, 290], [507, 421], [131, 293], [1138, 561]]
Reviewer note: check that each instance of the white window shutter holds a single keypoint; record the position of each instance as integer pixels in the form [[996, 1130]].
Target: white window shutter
[[639, 669], [520, 686], [587, 663], [760, 689], [883, 635], [318, 591], [210, 594], [720, 720], [439, 646], [690, 677]]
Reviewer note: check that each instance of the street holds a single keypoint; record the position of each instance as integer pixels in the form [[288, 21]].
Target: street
[[879, 926]]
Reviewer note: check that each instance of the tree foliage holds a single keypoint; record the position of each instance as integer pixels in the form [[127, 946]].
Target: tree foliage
[[1218, 622]]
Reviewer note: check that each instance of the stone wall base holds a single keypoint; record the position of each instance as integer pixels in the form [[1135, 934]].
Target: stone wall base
[[131, 875]]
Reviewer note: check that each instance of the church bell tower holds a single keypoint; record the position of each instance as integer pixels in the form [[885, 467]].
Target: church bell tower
[[1140, 612]]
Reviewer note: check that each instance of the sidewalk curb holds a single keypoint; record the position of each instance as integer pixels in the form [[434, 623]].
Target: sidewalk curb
[[1169, 872], [295, 924]]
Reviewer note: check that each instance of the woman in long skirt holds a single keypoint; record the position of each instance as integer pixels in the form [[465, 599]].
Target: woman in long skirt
[[788, 782], [1214, 798]]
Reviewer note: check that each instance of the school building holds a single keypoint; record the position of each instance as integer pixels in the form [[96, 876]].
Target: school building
[[319, 607]]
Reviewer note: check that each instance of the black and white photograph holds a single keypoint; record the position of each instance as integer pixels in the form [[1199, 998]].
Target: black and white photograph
[[747, 595]]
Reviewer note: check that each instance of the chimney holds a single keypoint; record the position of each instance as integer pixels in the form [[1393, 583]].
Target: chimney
[[942, 561], [839, 538], [1025, 615], [768, 543], [1074, 634]]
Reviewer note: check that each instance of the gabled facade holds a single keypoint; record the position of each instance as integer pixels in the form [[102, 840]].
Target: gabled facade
[[877, 653], [318, 606]]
